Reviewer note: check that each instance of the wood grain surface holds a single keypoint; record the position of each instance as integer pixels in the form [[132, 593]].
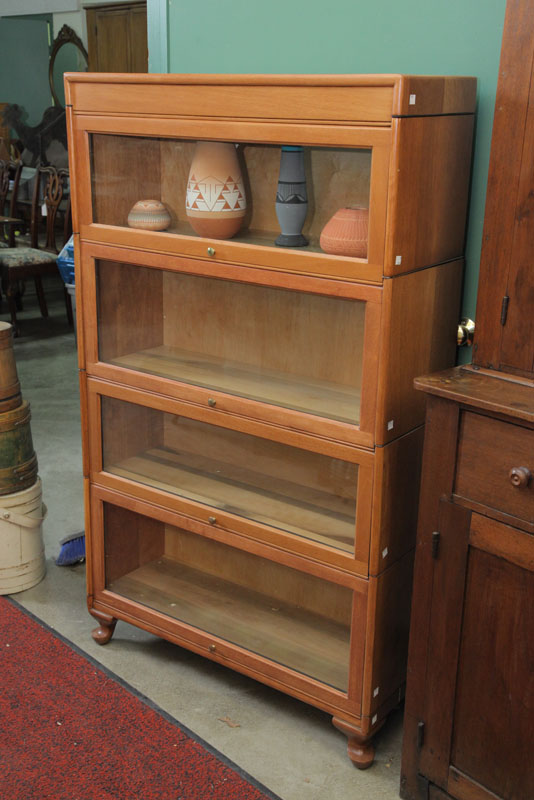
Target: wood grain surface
[[508, 194]]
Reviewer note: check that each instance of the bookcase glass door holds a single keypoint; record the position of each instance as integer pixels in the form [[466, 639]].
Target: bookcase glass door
[[305, 494], [161, 168], [296, 350], [290, 617]]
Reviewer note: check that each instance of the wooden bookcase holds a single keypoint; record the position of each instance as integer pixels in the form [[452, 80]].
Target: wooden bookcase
[[251, 435]]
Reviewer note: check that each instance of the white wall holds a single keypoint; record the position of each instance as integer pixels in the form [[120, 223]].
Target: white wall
[[75, 20], [11, 8]]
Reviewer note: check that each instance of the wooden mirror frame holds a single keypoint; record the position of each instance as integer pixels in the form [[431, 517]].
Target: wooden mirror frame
[[65, 36]]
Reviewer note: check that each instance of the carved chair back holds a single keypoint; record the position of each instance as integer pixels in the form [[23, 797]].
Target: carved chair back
[[51, 197], [10, 172]]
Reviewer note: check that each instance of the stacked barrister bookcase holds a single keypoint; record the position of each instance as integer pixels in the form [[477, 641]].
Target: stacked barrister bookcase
[[252, 438]]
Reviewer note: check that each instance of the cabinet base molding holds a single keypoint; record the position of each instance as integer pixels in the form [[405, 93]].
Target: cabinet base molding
[[462, 787], [105, 630], [359, 747]]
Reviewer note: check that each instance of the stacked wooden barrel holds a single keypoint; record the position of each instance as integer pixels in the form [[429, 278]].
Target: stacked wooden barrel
[[22, 562]]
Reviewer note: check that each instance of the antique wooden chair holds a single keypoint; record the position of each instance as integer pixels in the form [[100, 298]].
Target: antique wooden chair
[[19, 264], [10, 172]]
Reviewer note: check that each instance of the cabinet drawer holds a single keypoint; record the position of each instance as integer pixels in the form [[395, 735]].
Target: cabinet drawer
[[488, 452]]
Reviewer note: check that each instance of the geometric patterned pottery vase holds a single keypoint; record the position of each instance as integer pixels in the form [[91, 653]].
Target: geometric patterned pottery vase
[[346, 233], [291, 198], [215, 199], [150, 215]]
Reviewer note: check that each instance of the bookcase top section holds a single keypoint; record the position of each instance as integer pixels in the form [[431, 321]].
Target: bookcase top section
[[353, 99]]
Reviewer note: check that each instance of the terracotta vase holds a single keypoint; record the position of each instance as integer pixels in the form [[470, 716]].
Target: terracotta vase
[[215, 200], [291, 198], [346, 233], [150, 215]]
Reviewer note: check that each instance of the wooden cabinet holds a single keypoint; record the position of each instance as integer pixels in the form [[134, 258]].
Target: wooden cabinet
[[117, 37], [252, 436], [470, 689], [470, 694]]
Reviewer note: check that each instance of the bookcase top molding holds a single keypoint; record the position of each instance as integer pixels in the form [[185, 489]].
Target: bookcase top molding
[[363, 98]]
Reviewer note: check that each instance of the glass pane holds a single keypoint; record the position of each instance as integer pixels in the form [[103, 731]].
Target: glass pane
[[287, 616], [303, 493], [325, 181], [291, 349]]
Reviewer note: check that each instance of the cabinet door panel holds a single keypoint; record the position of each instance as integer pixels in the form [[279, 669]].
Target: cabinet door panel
[[479, 707], [494, 709], [445, 628]]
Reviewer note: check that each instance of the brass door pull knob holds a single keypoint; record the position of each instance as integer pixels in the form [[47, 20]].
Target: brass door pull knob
[[211, 251], [212, 648], [520, 477], [212, 520], [212, 402]]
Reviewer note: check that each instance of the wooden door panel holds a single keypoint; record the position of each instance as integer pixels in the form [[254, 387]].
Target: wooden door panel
[[112, 40], [445, 628], [507, 153], [117, 38], [494, 710], [138, 40], [518, 333]]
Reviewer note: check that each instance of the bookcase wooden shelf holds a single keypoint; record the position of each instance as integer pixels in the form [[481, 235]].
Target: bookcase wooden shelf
[[251, 435]]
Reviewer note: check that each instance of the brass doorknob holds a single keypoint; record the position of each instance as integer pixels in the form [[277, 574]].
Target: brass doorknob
[[520, 477], [465, 333], [211, 251]]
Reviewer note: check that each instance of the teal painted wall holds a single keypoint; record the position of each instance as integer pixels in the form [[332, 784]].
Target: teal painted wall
[[456, 37], [158, 35], [24, 57]]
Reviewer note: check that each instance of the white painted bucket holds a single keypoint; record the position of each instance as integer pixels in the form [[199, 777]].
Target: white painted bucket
[[22, 557]]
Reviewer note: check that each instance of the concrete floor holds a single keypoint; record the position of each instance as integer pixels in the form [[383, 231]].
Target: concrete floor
[[288, 746]]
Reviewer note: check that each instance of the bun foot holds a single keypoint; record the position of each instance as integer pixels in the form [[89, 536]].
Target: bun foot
[[104, 632], [362, 754], [359, 748]]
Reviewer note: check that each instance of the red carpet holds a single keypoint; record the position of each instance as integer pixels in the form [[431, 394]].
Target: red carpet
[[71, 731]]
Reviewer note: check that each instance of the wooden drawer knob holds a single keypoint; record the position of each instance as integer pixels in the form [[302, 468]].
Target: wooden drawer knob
[[520, 477]]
